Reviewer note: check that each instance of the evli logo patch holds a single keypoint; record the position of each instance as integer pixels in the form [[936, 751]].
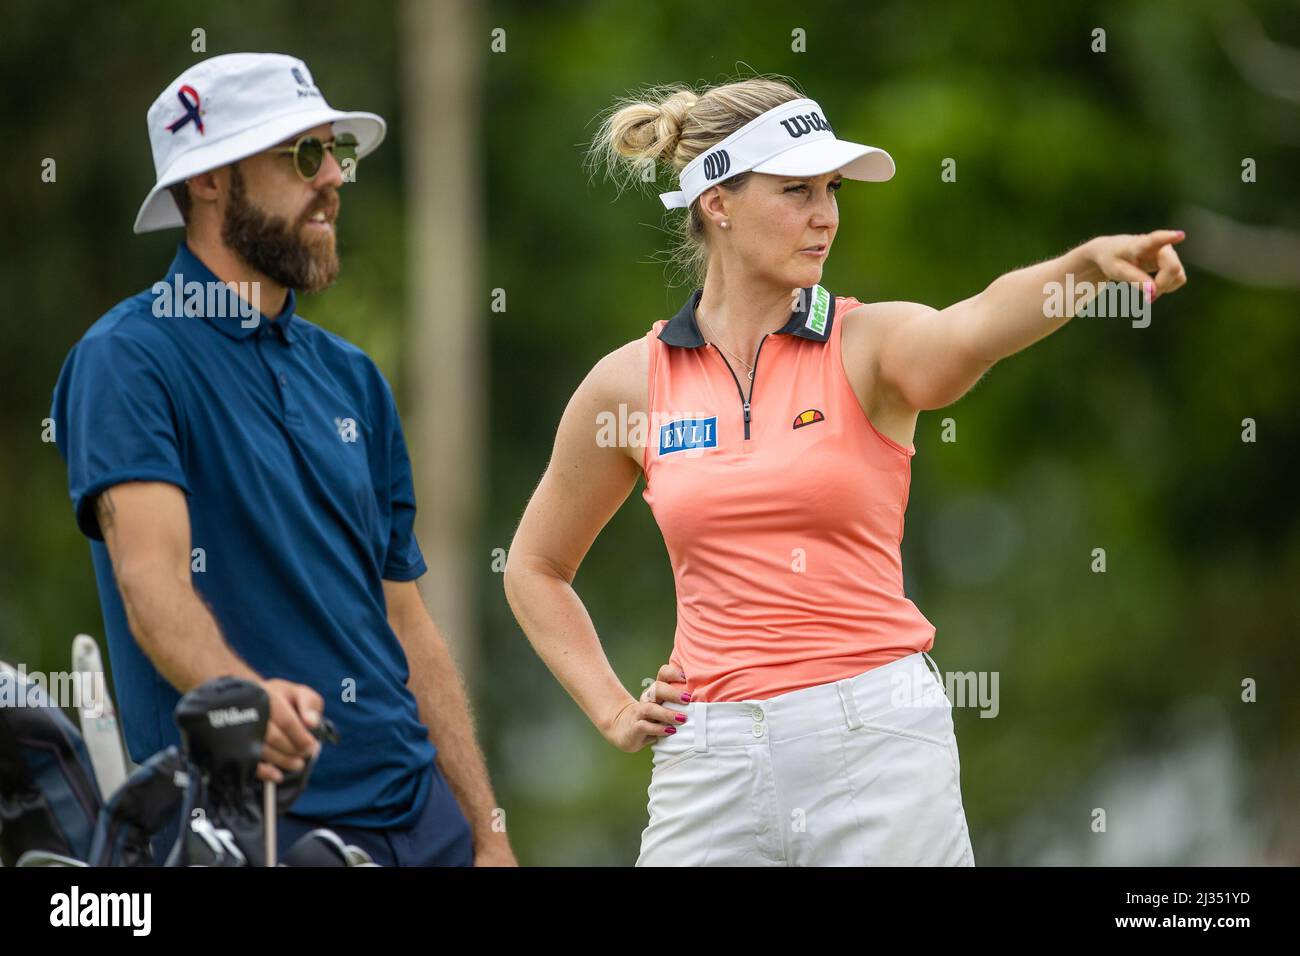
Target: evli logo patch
[[687, 433], [808, 417]]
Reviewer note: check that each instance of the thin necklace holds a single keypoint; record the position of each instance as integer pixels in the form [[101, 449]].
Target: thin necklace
[[728, 351]]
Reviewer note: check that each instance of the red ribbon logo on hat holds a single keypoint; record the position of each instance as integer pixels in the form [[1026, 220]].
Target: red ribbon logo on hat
[[192, 111]]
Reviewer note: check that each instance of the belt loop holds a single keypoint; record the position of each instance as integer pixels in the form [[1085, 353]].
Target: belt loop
[[701, 723], [938, 676], [849, 702], [933, 666]]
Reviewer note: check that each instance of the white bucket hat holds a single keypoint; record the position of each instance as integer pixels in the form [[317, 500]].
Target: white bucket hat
[[230, 107], [792, 139]]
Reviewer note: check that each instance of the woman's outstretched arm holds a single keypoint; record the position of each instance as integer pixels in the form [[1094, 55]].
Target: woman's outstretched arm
[[928, 358]]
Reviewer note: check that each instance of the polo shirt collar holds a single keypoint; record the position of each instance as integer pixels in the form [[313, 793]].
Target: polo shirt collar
[[683, 331], [190, 268]]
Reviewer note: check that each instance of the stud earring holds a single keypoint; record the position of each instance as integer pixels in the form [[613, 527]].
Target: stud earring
[[724, 224]]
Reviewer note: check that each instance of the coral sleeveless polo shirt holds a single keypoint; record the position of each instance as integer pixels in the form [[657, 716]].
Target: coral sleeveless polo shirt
[[784, 520]]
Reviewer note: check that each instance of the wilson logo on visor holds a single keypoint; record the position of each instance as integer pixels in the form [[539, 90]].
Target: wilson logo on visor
[[796, 126], [809, 417]]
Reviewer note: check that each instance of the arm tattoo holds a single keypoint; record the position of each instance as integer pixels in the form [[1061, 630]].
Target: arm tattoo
[[104, 511]]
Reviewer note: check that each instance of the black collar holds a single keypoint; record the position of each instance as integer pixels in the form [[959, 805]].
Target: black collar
[[684, 332]]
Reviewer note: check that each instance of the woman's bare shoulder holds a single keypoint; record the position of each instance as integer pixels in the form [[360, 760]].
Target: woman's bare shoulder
[[865, 324], [622, 375], [870, 318], [616, 393]]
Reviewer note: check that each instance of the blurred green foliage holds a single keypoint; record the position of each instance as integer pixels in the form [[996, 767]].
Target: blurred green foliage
[[1102, 436]]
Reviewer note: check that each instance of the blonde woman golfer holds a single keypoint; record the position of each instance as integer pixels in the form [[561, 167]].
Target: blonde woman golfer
[[797, 722]]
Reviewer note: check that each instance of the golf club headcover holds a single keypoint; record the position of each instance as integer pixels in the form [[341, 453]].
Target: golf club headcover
[[150, 798], [222, 725], [322, 847], [48, 797]]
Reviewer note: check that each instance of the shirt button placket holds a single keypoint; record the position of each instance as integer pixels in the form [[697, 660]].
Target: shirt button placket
[[282, 381], [274, 354]]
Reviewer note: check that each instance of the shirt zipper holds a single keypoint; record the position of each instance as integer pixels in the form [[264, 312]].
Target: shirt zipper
[[744, 402]]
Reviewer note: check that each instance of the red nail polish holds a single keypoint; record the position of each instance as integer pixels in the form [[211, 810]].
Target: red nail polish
[[670, 730], [681, 718], [686, 697]]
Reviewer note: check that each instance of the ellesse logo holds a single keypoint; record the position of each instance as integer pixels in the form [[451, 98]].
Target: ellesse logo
[[716, 164], [809, 417], [796, 126]]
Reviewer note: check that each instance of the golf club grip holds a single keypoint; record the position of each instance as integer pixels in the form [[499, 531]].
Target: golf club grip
[[326, 731]]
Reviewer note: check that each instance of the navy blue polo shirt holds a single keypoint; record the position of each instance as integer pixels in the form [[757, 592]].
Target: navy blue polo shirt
[[286, 441]]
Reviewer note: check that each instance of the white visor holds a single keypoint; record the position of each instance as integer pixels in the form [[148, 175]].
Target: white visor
[[792, 139]]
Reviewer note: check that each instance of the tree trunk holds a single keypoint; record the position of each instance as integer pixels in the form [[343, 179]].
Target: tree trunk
[[446, 419]]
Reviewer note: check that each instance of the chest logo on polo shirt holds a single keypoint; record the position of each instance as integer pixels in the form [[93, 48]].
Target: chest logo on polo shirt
[[686, 433], [809, 417]]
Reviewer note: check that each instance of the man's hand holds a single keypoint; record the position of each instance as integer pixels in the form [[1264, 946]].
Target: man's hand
[[289, 744], [644, 721]]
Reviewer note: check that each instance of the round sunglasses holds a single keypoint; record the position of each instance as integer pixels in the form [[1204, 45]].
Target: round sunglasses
[[309, 152]]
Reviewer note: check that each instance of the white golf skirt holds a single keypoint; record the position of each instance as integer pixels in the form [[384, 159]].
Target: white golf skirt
[[859, 772]]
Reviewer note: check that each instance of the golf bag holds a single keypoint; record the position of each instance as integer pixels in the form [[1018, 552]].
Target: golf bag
[[51, 813], [48, 796], [143, 805]]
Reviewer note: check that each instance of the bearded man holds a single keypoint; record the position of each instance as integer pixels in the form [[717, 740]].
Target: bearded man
[[243, 479]]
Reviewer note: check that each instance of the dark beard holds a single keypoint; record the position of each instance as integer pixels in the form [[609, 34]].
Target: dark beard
[[274, 247]]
